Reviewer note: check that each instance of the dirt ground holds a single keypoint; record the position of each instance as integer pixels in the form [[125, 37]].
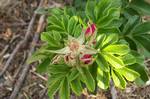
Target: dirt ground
[[15, 18]]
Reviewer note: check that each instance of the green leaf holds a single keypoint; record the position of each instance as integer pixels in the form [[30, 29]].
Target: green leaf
[[111, 39], [129, 12], [142, 28], [131, 24], [119, 49], [64, 50], [42, 67], [109, 30], [93, 70], [145, 53], [144, 40], [72, 25], [53, 87], [73, 75], [112, 14], [132, 43], [139, 58], [68, 10], [142, 71], [102, 6], [128, 59], [89, 9], [116, 62], [129, 74], [103, 79], [65, 22], [78, 30], [102, 63], [56, 11], [119, 81], [55, 28], [36, 57], [106, 12], [76, 87], [55, 20], [87, 77], [47, 37], [100, 39], [53, 77], [64, 91], [57, 35], [141, 6], [39, 55], [116, 3], [50, 40], [60, 68]]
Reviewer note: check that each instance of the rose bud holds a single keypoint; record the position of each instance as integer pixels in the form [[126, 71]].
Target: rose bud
[[86, 59], [90, 30]]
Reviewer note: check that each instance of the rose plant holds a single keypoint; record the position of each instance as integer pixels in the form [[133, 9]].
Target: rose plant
[[90, 45]]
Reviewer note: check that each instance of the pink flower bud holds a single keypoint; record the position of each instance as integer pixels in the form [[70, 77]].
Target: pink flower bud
[[90, 30], [87, 58]]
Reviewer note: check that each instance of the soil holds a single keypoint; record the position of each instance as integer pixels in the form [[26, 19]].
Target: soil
[[14, 21]]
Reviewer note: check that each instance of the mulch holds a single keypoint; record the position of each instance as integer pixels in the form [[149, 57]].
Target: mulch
[[15, 25]]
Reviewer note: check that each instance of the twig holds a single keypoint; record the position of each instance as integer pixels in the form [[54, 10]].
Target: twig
[[27, 66], [40, 76], [20, 43], [43, 93], [11, 58], [113, 90], [3, 51], [12, 25], [7, 47], [146, 61], [20, 66], [55, 4]]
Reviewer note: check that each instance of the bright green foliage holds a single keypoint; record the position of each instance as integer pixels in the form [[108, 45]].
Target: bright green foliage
[[119, 34], [114, 57], [118, 79], [141, 6], [76, 86], [105, 14], [137, 33], [103, 78]]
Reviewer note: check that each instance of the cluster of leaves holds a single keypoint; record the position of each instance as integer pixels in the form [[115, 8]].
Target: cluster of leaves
[[121, 34]]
